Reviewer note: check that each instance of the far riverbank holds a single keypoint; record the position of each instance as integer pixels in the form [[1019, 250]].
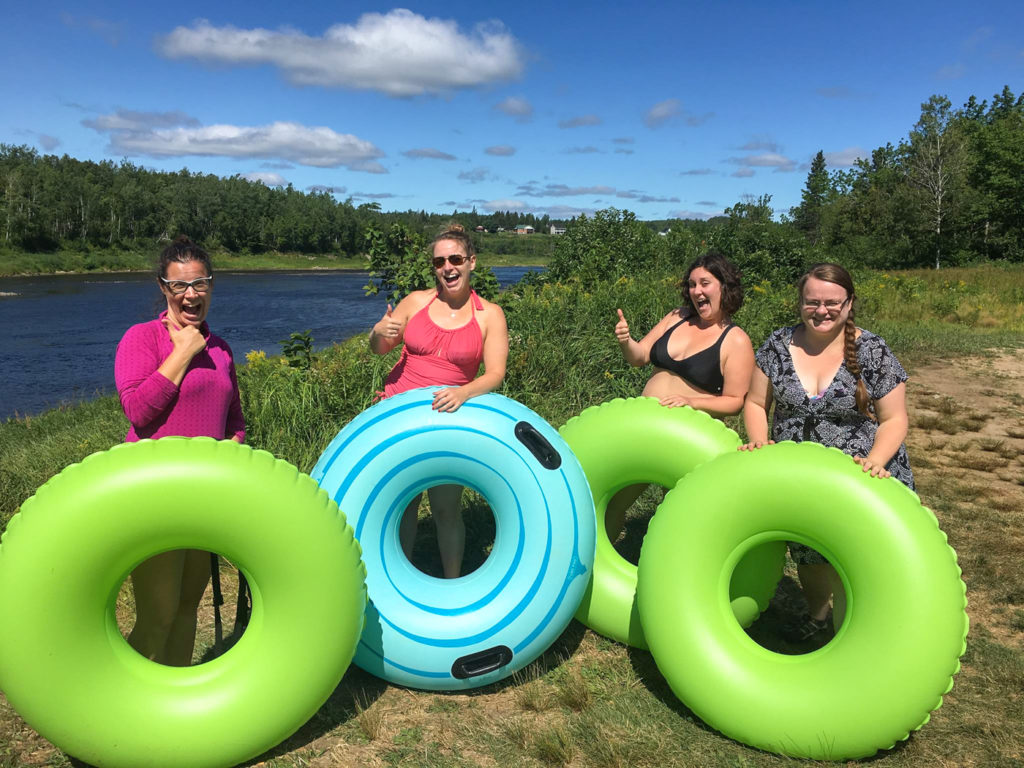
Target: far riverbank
[[24, 264]]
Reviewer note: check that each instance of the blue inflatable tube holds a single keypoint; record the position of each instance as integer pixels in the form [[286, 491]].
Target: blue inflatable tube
[[449, 634]]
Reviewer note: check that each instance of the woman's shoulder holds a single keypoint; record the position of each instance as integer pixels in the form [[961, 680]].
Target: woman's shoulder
[[871, 343], [736, 337], [780, 336]]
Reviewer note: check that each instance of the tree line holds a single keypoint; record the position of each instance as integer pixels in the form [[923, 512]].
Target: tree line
[[950, 193], [48, 202]]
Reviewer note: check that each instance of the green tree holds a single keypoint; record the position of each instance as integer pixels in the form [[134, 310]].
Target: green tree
[[609, 245], [815, 196], [938, 164]]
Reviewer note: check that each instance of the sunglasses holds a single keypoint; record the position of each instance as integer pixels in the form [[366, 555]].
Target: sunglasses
[[455, 259]]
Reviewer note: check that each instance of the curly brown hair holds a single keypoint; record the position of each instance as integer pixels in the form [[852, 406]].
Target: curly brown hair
[[725, 272]]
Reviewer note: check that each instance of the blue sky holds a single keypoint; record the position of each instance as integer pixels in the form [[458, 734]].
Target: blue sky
[[668, 110]]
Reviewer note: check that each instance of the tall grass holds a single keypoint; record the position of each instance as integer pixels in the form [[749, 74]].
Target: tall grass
[[562, 359]]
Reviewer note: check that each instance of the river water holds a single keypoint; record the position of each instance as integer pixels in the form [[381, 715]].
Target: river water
[[58, 333]]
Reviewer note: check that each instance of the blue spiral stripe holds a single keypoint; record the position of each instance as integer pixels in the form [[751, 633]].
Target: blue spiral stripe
[[503, 623], [436, 480], [318, 473], [421, 672], [575, 570]]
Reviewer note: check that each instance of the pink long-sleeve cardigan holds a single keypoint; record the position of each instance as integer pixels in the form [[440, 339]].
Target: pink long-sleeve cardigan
[[206, 403]]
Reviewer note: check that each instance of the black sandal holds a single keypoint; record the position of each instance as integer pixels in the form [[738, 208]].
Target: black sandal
[[804, 629]]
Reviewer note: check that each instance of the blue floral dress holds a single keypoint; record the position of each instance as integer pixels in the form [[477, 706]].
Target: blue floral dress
[[832, 417]]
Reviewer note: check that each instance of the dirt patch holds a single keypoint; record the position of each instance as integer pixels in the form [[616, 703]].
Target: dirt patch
[[966, 444]]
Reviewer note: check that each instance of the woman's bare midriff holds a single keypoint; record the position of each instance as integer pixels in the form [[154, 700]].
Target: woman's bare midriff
[[663, 383]]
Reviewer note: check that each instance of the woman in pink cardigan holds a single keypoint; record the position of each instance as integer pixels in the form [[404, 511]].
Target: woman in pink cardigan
[[174, 377]]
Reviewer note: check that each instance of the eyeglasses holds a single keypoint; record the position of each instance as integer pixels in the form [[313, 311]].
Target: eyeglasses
[[455, 259], [178, 287], [832, 305]]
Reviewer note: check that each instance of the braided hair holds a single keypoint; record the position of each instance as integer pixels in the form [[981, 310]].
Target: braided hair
[[833, 273]]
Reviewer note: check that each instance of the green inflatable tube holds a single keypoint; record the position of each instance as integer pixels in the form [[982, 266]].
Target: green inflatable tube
[[893, 658], [629, 441], [65, 667]]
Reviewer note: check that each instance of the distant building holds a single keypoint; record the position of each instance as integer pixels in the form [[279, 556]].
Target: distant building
[[501, 229], [557, 230], [480, 229], [524, 229]]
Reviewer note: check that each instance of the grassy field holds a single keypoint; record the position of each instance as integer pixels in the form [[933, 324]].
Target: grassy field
[[589, 701]]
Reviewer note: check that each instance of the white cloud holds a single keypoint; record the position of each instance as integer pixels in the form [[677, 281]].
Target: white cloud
[[132, 120], [697, 172], [48, 142], [173, 134], [623, 151], [554, 211], [743, 173], [662, 112], [580, 121], [765, 160], [513, 106], [588, 150], [531, 189], [399, 53], [501, 150], [708, 203], [759, 143], [264, 177], [624, 140], [702, 215], [845, 158], [428, 153], [475, 175], [373, 195], [671, 109]]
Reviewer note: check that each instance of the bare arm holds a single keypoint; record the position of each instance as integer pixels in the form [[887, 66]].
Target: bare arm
[[638, 353], [388, 332], [755, 411], [891, 411]]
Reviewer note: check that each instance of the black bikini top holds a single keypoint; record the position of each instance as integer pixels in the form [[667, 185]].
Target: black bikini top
[[702, 369]]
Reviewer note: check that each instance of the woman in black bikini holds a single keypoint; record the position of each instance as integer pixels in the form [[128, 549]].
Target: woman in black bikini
[[700, 358]]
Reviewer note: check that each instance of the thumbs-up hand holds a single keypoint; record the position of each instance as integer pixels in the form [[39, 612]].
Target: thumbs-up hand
[[622, 329], [388, 327]]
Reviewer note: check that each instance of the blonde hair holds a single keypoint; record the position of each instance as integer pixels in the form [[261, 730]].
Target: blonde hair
[[833, 273]]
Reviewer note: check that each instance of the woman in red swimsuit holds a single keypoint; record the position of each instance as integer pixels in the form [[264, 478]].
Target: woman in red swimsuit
[[447, 332], [700, 358]]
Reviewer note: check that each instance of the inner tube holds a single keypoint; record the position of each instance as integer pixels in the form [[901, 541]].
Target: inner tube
[[897, 650], [630, 441], [69, 673], [446, 634]]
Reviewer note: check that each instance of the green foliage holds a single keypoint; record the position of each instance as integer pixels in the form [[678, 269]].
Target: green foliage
[[298, 349], [399, 262], [610, 245]]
